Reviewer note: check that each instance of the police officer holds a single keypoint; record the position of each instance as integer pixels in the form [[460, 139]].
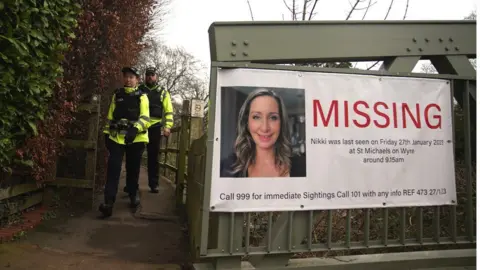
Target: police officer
[[128, 122], [161, 119]]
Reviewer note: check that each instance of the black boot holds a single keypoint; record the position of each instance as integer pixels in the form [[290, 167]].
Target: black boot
[[125, 189], [106, 209], [134, 201], [154, 189]]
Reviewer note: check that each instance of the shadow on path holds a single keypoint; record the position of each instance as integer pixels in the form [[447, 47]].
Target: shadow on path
[[154, 235]]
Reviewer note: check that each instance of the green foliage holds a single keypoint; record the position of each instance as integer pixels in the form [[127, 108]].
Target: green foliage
[[33, 37]]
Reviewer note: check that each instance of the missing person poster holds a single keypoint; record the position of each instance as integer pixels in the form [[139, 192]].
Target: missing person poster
[[287, 140]]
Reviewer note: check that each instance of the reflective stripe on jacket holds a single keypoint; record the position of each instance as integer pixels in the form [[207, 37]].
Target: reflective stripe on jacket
[[142, 124], [166, 101]]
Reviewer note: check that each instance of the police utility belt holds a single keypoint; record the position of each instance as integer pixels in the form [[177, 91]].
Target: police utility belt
[[121, 127]]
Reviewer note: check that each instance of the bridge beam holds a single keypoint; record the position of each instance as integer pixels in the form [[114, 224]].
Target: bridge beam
[[317, 41], [461, 258], [399, 44]]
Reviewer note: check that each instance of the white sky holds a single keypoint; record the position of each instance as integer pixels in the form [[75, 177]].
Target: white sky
[[188, 21]]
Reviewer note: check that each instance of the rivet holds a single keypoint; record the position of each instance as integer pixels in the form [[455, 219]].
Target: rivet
[[301, 206], [457, 49], [293, 246], [213, 207], [427, 40], [440, 39], [414, 40], [233, 53], [245, 42], [384, 204], [279, 247], [234, 43], [450, 39], [245, 53], [420, 49], [408, 50], [446, 49], [453, 201]]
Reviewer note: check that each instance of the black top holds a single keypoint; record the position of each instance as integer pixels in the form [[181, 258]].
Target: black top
[[298, 167]]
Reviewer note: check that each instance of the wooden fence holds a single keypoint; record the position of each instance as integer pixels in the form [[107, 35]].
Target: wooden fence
[[75, 166], [174, 151], [18, 197]]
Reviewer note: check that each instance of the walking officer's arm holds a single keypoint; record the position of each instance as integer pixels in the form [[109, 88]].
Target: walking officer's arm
[[106, 128], [167, 111], [111, 109], [143, 122]]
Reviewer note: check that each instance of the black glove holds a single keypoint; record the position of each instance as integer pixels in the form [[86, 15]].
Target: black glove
[[131, 134]]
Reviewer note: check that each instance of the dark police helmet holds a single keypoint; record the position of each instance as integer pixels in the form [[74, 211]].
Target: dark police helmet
[[151, 70], [132, 70]]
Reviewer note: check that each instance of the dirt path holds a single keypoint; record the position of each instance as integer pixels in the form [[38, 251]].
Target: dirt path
[[25, 257], [143, 240]]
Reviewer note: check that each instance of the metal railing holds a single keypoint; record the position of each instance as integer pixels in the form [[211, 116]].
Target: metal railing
[[272, 238]]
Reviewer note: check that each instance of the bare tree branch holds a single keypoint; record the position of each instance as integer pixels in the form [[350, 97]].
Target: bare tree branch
[[307, 12], [292, 11], [304, 11], [354, 6], [312, 11], [177, 69], [294, 14], [158, 13], [430, 69], [389, 9], [366, 10], [370, 67], [250, 8], [406, 10]]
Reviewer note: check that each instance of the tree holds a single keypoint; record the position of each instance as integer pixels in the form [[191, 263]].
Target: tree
[[107, 38], [178, 71], [159, 12]]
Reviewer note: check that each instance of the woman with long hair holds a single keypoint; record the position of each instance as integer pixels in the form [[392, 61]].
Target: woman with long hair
[[262, 147]]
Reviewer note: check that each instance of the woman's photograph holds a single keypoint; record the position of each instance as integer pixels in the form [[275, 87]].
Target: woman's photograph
[[263, 146]]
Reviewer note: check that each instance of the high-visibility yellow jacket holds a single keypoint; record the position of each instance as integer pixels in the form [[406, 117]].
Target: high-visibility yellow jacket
[[161, 108], [142, 123]]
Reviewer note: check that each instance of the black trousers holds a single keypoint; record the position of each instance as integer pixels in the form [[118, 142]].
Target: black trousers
[[133, 154], [153, 149]]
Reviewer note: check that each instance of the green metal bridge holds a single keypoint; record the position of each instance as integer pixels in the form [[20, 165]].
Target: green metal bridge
[[421, 237]]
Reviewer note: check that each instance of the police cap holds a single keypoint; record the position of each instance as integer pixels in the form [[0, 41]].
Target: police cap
[[151, 70], [132, 70]]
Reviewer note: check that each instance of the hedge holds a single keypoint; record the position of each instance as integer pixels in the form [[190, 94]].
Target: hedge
[[33, 36]]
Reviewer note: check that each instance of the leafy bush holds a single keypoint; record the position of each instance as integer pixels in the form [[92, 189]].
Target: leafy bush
[[34, 100], [33, 37]]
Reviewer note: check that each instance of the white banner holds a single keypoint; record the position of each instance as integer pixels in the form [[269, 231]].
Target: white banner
[[287, 141]]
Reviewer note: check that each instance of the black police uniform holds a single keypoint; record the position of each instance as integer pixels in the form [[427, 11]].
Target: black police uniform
[[129, 118], [161, 116]]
